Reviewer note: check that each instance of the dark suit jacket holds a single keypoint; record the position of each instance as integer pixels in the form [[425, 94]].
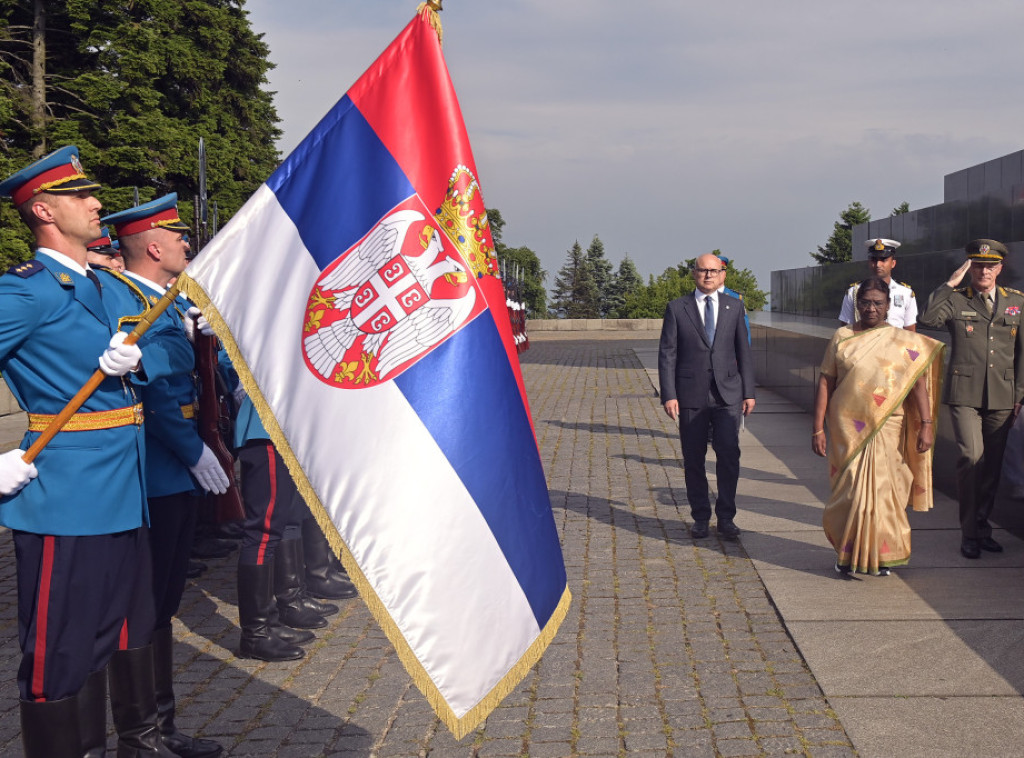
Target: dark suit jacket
[[687, 363]]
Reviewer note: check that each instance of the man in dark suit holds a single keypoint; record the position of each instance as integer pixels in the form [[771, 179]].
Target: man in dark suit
[[706, 370]]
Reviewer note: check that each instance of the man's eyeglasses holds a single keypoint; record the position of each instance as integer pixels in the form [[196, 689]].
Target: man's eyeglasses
[[708, 271]]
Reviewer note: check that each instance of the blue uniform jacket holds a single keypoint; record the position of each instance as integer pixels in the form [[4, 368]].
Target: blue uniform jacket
[[54, 325], [172, 441], [248, 426]]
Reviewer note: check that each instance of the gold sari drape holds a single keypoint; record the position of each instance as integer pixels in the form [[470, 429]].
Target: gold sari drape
[[874, 467]]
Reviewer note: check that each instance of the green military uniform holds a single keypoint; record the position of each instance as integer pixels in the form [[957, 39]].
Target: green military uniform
[[984, 380]]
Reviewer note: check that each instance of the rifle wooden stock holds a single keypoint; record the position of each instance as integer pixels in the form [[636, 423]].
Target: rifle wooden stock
[[214, 421], [96, 379]]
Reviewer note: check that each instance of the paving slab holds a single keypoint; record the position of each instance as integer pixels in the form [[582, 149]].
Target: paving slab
[[933, 727]]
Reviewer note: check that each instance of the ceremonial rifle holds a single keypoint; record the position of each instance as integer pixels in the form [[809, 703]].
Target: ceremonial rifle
[[214, 414]]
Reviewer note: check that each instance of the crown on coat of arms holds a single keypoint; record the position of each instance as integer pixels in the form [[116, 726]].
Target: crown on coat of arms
[[463, 218]]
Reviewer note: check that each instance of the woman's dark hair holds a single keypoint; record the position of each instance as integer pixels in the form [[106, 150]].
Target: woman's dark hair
[[873, 283]]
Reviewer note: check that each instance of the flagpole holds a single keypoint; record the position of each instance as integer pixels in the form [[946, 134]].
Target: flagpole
[[96, 379]]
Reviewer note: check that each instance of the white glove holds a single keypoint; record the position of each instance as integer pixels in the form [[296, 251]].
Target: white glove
[[209, 473], [14, 472], [118, 359], [238, 394], [194, 319]]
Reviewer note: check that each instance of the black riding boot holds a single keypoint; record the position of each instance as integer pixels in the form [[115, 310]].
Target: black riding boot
[[256, 612], [92, 715], [288, 573], [323, 580], [163, 669], [50, 729], [133, 704]]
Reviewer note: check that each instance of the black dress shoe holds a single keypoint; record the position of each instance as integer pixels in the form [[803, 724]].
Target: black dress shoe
[[969, 549], [989, 544], [728, 529], [699, 530]]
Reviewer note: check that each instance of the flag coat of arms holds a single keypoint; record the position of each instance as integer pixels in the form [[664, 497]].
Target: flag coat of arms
[[358, 295]]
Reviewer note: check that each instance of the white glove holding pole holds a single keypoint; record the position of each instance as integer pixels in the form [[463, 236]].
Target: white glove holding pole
[[194, 319], [209, 473], [118, 359], [14, 472]]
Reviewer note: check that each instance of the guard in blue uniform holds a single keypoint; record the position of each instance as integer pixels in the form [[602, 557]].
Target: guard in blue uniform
[[273, 608], [179, 467], [104, 252], [75, 512]]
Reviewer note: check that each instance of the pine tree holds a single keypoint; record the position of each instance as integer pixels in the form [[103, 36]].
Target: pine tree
[[135, 84], [575, 293], [601, 270], [524, 262], [839, 246], [626, 281]]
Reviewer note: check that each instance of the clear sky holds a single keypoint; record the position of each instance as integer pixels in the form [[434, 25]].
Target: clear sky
[[670, 128]]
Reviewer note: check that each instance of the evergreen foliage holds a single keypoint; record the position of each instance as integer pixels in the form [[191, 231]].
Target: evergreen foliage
[[601, 270], [626, 281], [135, 84], [902, 208], [839, 246], [575, 293], [523, 260]]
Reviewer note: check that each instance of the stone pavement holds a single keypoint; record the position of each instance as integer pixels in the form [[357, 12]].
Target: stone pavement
[[671, 648]]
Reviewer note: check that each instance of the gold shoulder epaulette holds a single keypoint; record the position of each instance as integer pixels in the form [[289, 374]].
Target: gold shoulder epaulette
[[135, 290], [960, 289], [1015, 292]]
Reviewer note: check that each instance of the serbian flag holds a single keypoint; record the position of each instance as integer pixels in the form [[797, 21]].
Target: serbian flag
[[357, 293]]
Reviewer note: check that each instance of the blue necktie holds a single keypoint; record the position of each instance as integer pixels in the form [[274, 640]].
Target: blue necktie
[[709, 319]]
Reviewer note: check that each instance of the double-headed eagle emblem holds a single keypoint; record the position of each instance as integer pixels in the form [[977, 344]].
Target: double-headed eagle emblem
[[386, 302]]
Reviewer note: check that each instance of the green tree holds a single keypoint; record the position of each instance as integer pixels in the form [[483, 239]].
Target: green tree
[[135, 83], [575, 294], [742, 280], [601, 270], [839, 246], [902, 208], [650, 301], [626, 281], [521, 261]]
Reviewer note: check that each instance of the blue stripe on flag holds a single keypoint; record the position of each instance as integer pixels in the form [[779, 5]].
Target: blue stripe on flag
[[338, 183], [466, 395]]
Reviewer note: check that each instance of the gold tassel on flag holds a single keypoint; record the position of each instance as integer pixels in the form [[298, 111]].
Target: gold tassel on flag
[[432, 8]]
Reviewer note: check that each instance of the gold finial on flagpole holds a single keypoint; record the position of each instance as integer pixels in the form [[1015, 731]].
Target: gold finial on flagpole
[[432, 8]]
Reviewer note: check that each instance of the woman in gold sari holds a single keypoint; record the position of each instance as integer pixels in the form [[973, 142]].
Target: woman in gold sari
[[878, 391]]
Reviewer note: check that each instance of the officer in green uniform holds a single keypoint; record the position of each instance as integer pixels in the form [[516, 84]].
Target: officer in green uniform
[[984, 381]]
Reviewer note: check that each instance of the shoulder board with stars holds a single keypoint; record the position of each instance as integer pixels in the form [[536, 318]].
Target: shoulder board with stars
[[26, 268]]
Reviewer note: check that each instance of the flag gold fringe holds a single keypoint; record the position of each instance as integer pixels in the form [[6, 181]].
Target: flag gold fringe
[[459, 727], [431, 8]]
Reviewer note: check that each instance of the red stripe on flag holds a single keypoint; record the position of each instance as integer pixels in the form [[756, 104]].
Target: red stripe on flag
[[42, 611]]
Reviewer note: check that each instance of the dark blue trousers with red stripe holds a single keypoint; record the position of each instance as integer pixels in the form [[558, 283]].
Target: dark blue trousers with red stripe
[[73, 594], [273, 505], [162, 567]]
